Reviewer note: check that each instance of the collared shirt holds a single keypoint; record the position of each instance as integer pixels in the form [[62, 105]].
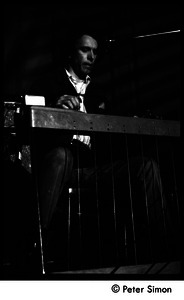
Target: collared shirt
[[80, 87]]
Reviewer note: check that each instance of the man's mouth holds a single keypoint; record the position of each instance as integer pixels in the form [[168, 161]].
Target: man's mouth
[[88, 65]]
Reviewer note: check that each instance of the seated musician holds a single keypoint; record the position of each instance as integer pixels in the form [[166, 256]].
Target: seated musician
[[73, 88]]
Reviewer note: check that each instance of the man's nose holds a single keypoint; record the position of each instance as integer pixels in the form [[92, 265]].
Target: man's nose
[[91, 55]]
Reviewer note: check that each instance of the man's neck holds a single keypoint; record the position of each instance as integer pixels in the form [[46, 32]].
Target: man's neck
[[75, 76]]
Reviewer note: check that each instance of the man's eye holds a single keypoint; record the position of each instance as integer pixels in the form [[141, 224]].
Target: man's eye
[[88, 49], [85, 49]]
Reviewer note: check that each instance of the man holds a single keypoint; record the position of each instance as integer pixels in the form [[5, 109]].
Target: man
[[72, 89], [66, 89]]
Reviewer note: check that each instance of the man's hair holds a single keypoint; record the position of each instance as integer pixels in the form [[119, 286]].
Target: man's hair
[[67, 38], [78, 32]]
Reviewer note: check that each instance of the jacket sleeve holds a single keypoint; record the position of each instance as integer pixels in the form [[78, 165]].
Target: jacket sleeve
[[52, 86]]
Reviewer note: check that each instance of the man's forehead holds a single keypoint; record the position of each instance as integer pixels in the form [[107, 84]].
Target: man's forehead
[[87, 41]]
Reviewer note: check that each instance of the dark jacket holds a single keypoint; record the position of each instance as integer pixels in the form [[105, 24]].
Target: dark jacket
[[57, 84]]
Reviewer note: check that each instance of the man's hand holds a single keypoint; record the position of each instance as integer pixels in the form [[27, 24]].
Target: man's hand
[[68, 102]]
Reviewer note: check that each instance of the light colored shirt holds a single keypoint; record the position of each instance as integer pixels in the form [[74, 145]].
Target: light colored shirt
[[80, 87]]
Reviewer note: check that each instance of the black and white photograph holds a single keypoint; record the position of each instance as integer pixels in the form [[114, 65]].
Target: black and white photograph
[[91, 143]]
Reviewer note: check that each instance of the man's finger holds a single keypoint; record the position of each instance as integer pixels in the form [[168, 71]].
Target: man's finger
[[75, 102], [65, 107]]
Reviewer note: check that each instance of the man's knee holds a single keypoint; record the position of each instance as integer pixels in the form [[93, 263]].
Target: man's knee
[[61, 155], [151, 167], [149, 173]]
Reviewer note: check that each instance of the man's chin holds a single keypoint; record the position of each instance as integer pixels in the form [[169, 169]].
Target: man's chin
[[85, 73], [87, 69]]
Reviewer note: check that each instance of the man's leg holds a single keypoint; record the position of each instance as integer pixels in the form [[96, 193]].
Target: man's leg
[[55, 171]]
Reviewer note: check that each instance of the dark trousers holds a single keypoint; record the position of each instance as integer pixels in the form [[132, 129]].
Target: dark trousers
[[134, 186], [136, 176]]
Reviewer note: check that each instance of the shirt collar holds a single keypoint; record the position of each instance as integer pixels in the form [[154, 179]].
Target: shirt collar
[[75, 79]]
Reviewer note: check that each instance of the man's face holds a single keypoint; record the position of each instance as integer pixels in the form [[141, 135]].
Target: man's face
[[84, 56]]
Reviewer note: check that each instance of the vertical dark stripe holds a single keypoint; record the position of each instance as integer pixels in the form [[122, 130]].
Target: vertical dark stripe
[[41, 241], [34, 170], [161, 194], [97, 198], [175, 183], [131, 200], [176, 218], [114, 200], [146, 196], [69, 225], [125, 243], [79, 203]]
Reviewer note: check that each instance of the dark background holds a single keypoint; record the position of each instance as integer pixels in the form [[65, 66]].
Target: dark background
[[144, 73], [140, 72]]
